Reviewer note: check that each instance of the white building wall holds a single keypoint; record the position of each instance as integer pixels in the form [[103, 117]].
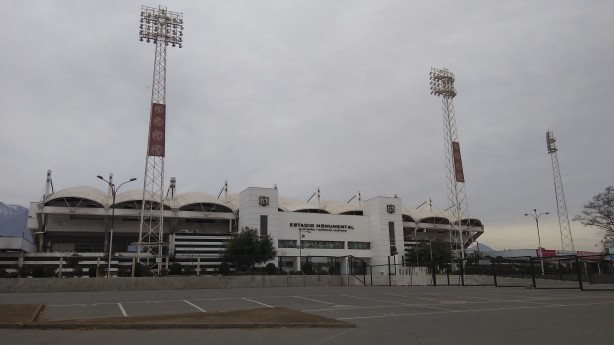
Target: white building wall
[[359, 232], [380, 217], [250, 209]]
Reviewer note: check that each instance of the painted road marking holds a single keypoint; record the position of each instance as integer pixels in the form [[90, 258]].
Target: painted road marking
[[195, 306], [266, 305], [373, 299], [314, 300], [122, 309]]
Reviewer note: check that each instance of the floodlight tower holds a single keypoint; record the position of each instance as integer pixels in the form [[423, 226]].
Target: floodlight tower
[[442, 84], [561, 205], [162, 27]]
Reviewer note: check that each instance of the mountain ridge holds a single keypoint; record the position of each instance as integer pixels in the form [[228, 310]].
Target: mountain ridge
[[13, 219]]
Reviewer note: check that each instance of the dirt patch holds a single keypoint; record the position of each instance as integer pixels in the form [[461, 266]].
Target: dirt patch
[[251, 316], [18, 313], [26, 315]]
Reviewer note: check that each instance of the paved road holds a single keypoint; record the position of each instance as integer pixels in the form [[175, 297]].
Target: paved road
[[383, 315]]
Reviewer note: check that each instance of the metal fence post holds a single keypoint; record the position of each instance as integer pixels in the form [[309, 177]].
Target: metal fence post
[[371, 272], [494, 271], [433, 272], [579, 270], [389, 273], [462, 271], [532, 271]]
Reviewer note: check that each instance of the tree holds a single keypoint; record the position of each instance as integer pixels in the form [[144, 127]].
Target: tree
[[248, 248], [441, 251], [224, 269], [599, 212]]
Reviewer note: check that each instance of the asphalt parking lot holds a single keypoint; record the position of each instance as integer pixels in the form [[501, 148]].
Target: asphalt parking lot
[[407, 315]]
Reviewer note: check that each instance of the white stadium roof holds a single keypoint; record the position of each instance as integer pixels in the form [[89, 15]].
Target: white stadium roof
[[232, 203]]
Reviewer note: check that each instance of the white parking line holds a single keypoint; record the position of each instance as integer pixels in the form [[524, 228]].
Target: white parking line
[[314, 300], [266, 305], [195, 306], [379, 307], [122, 309], [374, 299], [465, 311], [72, 305]]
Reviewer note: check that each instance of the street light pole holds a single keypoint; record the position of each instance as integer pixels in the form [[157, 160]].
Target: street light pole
[[431, 247], [113, 193], [416, 245], [539, 240]]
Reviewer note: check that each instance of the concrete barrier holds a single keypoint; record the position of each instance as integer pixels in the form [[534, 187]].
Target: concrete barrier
[[165, 283]]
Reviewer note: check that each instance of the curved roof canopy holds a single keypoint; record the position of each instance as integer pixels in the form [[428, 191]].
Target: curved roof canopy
[[294, 205], [82, 192], [196, 201]]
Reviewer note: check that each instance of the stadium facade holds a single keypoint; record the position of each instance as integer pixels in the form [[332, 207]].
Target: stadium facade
[[324, 232]]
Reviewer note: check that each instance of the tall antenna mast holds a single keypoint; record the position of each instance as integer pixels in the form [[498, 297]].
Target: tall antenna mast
[[561, 205], [442, 84], [163, 27]]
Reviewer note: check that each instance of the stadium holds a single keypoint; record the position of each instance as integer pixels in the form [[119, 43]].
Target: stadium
[[196, 224]]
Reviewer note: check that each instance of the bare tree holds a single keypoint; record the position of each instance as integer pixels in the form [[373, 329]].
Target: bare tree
[[599, 212]]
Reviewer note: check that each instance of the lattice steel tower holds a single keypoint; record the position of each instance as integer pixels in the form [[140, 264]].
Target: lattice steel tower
[[442, 84], [163, 27], [561, 205]]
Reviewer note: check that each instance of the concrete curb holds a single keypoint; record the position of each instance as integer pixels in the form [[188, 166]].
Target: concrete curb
[[86, 326]]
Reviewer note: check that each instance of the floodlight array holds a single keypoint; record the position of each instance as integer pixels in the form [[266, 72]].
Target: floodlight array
[[161, 24], [442, 82], [551, 142]]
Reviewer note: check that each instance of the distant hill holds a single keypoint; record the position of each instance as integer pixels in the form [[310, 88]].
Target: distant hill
[[13, 220], [483, 248]]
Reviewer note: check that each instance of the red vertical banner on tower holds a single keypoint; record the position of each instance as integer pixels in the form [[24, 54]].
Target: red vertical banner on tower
[[458, 162], [157, 127]]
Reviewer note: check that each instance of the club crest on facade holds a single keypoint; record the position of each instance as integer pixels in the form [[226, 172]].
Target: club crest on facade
[[263, 200]]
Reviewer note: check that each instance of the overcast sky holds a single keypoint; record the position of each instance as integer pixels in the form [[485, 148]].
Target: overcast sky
[[320, 93]]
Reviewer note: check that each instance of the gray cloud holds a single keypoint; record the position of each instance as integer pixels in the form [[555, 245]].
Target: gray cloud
[[330, 94]]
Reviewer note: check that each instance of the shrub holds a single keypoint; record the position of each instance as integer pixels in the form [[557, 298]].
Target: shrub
[[189, 270], [102, 270], [124, 271], [224, 268], [175, 268], [49, 271], [323, 271], [164, 272], [308, 268], [38, 272], [142, 270], [270, 269], [24, 271], [73, 260], [91, 271], [3, 273], [77, 271]]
